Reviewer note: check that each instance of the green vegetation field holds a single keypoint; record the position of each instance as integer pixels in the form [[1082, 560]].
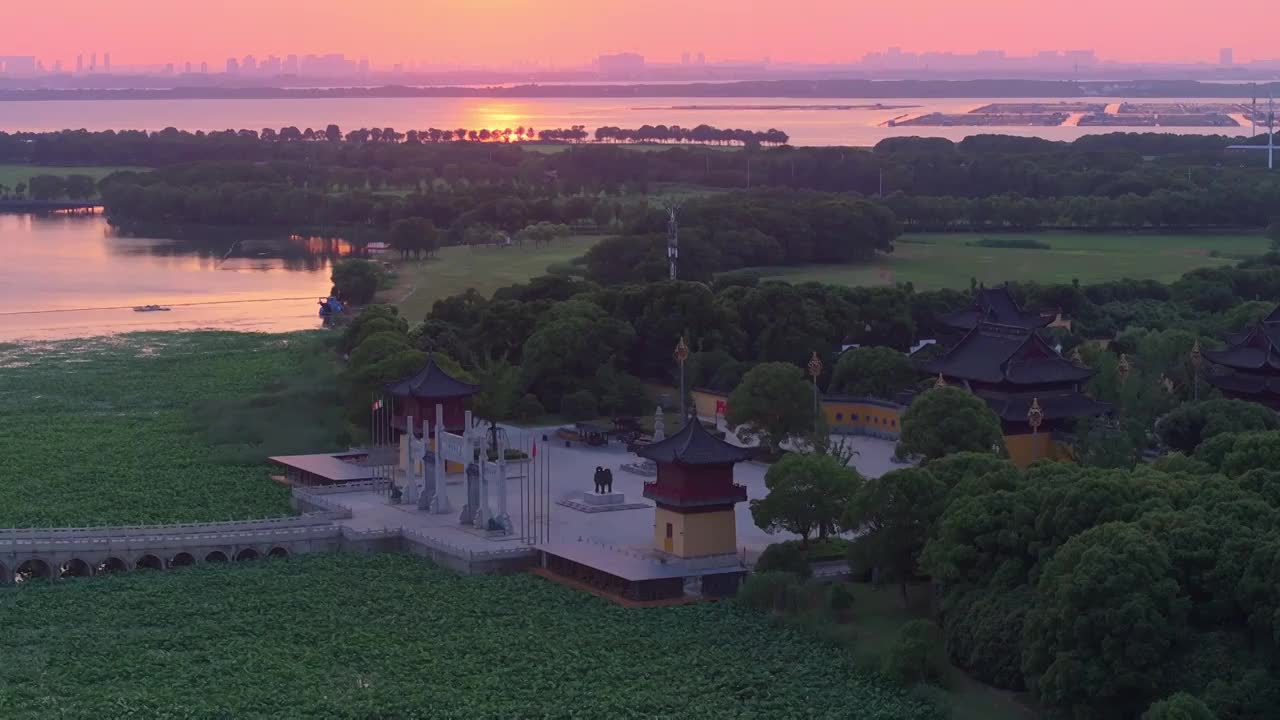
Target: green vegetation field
[[11, 175], [932, 261], [157, 427], [391, 636], [455, 269]]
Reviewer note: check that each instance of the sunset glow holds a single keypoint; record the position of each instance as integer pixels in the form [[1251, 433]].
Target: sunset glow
[[571, 32]]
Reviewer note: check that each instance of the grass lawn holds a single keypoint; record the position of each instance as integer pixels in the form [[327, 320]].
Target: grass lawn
[[932, 261], [391, 636], [11, 175], [158, 427], [420, 283], [878, 613]]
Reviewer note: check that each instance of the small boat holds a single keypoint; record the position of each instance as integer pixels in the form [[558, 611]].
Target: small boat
[[150, 308], [330, 306]]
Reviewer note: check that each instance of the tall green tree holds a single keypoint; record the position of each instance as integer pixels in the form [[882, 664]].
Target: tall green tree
[[772, 404], [950, 420], [356, 281], [808, 493], [414, 236], [872, 372], [1107, 615], [895, 514]]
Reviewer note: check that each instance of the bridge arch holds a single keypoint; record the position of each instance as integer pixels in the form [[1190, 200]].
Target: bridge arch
[[278, 552], [33, 569], [217, 556], [247, 554], [74, 568], [111, 565], [182, 559], [148, 562]]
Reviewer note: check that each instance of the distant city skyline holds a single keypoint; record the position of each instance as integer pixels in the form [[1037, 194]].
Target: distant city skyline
[[569, 33], [607, 64]]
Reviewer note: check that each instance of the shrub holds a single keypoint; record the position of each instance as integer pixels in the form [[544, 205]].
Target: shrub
[[784, 557], [983, 635], [1012, 244], [841, 600], [1179, 706], [580, 405], [771, 591], [916, 655], [528, 407]]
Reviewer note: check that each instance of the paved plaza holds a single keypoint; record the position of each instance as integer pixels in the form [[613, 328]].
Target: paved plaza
[[570, 476]]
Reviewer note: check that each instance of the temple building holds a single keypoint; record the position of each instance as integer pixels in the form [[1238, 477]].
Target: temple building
[[695, 533], [995, 305], [694, 493], [1250, 364], [1030, 386], [417, 396]]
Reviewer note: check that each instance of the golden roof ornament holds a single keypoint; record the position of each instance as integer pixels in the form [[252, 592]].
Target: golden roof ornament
[[940, 382], [1196, 357], [1035, 415], [1124, 367], [1076, 357], [815, 366], [682, 351]]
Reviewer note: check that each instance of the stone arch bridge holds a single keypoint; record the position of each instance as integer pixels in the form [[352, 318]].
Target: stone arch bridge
[[82, 552]]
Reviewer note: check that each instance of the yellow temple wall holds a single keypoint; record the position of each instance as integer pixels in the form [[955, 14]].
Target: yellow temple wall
[[862, 416], [696, 534], [1027, 448]]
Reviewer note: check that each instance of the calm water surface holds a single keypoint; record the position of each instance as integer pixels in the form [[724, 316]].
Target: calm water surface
[[76, 276], [802, 118]]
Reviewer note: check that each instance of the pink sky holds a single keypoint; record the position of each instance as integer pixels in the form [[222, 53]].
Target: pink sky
[[570, 32]]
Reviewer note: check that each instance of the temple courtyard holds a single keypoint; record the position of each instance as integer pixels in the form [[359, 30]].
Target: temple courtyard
[[569, 478]]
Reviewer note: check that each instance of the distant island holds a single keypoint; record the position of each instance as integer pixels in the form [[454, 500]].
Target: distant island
[[862, 89]]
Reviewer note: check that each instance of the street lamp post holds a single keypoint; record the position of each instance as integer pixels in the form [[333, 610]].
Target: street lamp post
[[1196, 360], [815, 369], [682, 354]]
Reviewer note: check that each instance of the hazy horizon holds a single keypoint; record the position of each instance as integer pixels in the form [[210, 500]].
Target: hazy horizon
[[571, 32]]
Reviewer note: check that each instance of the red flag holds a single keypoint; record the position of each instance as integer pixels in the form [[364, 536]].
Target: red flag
[[535, 449]]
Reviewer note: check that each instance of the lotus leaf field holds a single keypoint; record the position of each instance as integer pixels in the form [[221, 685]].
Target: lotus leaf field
[[100, 431], [392, 636]]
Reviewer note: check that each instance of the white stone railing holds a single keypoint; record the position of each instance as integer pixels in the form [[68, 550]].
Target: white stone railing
[[358, 486], [161, 538], [121, 531], [415, 536]]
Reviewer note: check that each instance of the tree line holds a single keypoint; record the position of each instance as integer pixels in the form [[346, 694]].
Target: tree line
[[1111, 166], [702, 134]]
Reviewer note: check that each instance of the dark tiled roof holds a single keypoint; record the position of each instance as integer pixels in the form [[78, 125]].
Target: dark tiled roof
[[1243, 384], [693, 445], [995, 305], [1054, 406], [992, 353], [432, 382], [1255, 349]]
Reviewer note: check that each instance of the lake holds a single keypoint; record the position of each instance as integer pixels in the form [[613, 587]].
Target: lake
[[66, 276], [805, 120]]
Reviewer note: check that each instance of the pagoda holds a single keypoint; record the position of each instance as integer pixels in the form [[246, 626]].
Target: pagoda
[[695, 539], [994, 305], [1250, 363], [695, 493], [418, 395], [1015, 370]]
